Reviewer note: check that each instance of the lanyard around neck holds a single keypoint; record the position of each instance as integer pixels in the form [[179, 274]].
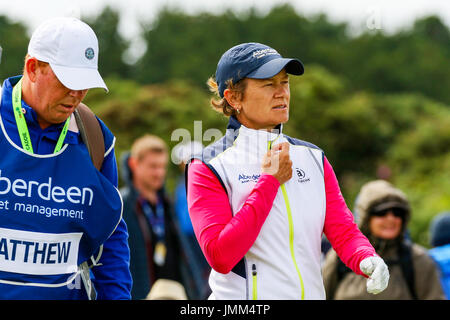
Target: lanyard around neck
[[156, 219], [22, 124]]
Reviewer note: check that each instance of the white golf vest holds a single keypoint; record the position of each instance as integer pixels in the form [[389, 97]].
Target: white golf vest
[[284, 261]]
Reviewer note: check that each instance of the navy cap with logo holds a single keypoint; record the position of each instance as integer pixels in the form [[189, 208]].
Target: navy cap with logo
[[253, 60]]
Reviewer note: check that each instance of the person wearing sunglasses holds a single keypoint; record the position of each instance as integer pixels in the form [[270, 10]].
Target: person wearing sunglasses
[[383, 212]]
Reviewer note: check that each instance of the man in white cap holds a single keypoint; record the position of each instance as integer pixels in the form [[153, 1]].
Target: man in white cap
[[62, 235]]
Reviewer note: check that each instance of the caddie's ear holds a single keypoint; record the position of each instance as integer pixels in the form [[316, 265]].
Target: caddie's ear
[[31, 67]]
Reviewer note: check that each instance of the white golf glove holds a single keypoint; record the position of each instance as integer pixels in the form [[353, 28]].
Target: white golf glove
[[378, 274]]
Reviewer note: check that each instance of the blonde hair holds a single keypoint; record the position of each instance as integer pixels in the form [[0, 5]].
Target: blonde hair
[[148, 143], [221, 105]]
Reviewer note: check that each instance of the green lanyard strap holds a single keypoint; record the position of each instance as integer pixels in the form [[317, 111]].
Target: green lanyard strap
[[22, 124]]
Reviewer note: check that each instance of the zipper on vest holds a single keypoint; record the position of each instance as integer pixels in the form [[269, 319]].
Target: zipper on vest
[[255, 288], [291, 231]]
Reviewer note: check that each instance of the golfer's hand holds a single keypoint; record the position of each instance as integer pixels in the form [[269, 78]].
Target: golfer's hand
[[278, 163], [378, 274]]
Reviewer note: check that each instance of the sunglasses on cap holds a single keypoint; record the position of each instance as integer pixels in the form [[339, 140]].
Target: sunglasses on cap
[[397, 212]]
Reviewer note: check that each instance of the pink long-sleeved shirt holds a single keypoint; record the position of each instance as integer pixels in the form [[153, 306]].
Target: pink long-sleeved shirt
[[225, 238]]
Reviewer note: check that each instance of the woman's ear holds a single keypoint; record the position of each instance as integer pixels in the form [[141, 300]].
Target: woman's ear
[[231, 97]]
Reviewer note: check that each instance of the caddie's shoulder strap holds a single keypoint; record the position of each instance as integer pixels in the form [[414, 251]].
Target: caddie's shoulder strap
[[91, 134]]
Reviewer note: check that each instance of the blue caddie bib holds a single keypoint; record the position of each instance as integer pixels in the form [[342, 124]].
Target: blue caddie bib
[[56, 210]]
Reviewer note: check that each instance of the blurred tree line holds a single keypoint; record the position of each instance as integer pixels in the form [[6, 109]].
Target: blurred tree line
[[372, 102], [183, 46]]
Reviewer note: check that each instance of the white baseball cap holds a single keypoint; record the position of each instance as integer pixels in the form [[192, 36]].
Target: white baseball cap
[[70, 46]]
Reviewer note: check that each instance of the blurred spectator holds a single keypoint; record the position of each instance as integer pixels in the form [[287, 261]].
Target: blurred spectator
[[383, 213], [181, 153], [153, 238], [440, 240]]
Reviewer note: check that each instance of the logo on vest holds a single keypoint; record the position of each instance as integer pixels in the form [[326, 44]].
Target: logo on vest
[[45, 191], [244, 178], [55, 195], [301, 175]]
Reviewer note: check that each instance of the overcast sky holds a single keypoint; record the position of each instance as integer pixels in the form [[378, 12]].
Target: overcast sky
[[388, 15]]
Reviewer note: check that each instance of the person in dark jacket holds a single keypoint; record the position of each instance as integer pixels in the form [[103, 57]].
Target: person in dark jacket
[[153, 237]]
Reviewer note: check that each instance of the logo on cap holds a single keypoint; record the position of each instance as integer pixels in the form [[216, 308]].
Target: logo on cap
[[89, 53], [264, 52]]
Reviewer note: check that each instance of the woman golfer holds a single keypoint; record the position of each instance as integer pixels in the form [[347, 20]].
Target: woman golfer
[[260, 200]]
